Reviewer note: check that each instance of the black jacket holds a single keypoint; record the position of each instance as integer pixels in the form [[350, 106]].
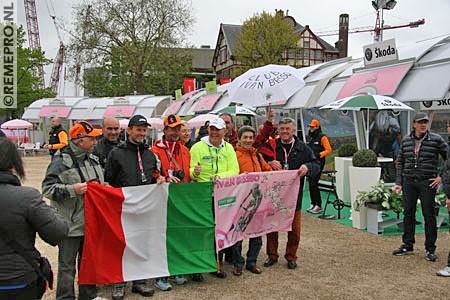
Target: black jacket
[[425, 164], [23, 213], [314, 141], [299, 155], [102, 149], [122, 166], [54, 137]]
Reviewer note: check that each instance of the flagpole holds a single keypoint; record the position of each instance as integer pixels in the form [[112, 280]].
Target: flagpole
[[367, 129]]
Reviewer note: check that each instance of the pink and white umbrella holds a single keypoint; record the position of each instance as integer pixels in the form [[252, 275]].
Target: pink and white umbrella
[[16, 124], [156, 123], [123, 123], [200, 120]]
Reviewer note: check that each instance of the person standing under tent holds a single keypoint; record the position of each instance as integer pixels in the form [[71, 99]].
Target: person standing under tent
[[58, 138]]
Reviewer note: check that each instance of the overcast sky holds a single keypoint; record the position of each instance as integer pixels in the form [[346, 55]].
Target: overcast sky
[[320, 15]]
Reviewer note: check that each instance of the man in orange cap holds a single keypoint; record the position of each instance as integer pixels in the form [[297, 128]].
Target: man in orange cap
[[65, 184], [175, 162], [321, 147]]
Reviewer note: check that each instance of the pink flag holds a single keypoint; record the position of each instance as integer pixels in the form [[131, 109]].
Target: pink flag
[[254, 204]]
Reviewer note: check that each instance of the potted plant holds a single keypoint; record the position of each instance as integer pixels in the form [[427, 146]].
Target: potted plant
[[363, 175], [375, 201], [341, 164]]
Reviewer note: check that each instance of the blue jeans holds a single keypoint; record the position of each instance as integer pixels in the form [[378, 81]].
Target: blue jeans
[[252, 254], [414, 189]]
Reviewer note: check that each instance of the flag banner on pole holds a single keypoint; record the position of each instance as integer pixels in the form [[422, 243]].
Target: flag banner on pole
[[146, 232], [254, 204], [211, 87], [189, 85]]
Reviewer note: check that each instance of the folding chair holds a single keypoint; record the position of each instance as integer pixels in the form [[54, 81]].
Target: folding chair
[[337, 203]]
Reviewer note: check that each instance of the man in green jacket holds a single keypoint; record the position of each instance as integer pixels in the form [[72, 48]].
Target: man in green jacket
[[212, 158]]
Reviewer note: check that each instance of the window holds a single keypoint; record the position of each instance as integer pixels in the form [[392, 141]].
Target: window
[[305, 44]]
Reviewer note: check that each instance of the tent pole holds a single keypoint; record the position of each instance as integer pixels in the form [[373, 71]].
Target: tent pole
[[367, 129]]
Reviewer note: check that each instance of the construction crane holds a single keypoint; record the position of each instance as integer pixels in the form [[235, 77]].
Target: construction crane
[[33, 36], [376, 29], [35, 43]]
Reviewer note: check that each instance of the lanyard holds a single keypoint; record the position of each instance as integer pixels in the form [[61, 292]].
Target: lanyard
[[286, 154], [170, 153], [141, 168], [417, 148]]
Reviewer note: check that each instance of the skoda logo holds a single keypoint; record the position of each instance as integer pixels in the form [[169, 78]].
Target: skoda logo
[[427, 104], [368, 54]]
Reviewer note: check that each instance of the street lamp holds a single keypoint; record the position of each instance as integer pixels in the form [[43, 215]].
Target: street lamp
[[381, 5]]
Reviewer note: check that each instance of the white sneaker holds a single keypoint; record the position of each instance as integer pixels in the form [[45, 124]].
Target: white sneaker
[[310, 208], [162, 284], [180, 279], [316, 210], [445, 272]]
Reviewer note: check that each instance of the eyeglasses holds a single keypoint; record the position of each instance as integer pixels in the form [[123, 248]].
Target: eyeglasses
[[186, 130], [112, 128]]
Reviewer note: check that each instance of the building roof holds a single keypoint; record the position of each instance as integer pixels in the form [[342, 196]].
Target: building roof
[[202, 58], [231, 33]]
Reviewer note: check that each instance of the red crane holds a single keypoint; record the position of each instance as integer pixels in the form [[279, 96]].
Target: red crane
[[35, 43], [33, 36], [376, 29]]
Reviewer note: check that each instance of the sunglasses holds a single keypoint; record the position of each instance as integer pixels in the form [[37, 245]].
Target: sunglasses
[[112, 128]]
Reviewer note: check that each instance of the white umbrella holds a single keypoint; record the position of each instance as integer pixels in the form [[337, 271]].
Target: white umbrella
[[200, 120], [235, 110], [368, 102], [270, 84]]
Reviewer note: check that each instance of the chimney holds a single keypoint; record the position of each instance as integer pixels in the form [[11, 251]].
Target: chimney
[[342, 43]]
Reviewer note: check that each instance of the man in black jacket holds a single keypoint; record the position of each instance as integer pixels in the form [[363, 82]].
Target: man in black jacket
[[418, 177], [130, 164], [109, 140], [289, 153], [57, 137]]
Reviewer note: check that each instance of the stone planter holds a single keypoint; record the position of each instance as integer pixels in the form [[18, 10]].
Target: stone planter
[[361, 179], [341, 165]]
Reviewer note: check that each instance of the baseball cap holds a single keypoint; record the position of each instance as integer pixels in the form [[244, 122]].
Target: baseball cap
[[218, 123], [420, 116], [172, 121], [138, 120], [83, 129], [314, 123]]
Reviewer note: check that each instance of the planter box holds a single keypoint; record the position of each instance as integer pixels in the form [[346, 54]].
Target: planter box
[[363, 180], [341, 165], [374, 225]]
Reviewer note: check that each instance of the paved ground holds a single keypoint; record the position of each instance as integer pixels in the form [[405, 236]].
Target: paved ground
[[335, 262]]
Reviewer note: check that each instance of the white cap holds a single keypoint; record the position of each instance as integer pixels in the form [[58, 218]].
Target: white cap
[[218, 123]]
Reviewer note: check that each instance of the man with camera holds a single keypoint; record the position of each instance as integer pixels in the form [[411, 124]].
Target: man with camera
[[175, 160]]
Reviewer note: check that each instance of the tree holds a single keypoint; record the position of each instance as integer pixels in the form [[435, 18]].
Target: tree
[[130, 36], [263, 39], [28, 89]]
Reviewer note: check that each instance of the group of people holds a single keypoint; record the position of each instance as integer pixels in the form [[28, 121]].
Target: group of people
[[175, 158]]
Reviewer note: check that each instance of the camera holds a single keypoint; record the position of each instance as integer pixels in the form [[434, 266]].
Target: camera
[[179, 174]]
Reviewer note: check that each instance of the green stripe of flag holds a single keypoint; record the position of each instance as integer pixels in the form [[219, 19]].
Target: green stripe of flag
[[190, 228]]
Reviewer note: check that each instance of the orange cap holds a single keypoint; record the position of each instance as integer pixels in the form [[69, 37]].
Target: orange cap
[[172, 121], [82, 129], [314, 123]]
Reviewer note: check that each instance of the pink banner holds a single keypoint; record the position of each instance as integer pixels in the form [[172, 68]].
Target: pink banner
[[254, 204], [207, 102]]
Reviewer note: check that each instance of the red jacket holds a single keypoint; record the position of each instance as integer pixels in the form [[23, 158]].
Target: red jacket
[[248, 161], [180, 154]]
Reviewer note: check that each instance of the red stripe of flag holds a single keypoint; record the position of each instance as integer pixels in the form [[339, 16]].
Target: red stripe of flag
[[104, 242]]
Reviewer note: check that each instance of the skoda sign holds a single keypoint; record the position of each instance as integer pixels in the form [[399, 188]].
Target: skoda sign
[[382, 52]]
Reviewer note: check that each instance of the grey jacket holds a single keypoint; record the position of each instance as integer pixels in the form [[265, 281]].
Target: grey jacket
[[22, 215], [62, 174]]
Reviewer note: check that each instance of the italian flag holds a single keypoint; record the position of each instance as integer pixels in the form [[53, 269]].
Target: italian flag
[[147, 231]]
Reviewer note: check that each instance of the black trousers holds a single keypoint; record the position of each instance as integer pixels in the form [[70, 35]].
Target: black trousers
[[414, 189], [314, 191]]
